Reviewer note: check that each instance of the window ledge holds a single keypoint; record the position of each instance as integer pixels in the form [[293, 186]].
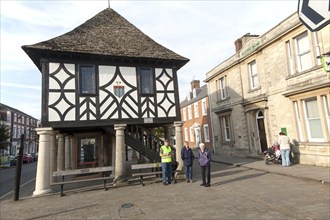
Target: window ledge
[[254, 89], [296, 74], [223, 100]]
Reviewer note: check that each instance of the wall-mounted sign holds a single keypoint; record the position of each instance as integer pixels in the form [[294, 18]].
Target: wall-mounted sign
[[315, 14]]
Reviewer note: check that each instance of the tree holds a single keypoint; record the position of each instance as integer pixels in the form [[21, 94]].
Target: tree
[[158, 132], [4, 136]]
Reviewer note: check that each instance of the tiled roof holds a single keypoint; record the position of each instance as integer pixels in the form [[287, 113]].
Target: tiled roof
[[107, 34]]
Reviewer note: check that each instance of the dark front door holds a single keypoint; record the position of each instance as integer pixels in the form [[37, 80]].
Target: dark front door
[[261, 131]]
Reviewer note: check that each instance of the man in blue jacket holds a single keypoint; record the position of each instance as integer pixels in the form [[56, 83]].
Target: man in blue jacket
[[187, 156]]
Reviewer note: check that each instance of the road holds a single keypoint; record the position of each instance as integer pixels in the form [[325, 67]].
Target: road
[[235, 193], [7, 177]]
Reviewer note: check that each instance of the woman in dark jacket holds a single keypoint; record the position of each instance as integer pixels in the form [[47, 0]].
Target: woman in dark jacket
[[187, 156]]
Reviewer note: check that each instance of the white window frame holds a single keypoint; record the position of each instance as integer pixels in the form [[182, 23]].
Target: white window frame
[[14, 131], [223, 88], [299, 53], [290, 58], [196, 111], [204, 107], [298, 121], [27, 121], [189, 112], [253, 75], [15, 117], [317, 48], [186, 136], [326, 110], [184, 113], [191, 133], [206, 133], [310, 138]]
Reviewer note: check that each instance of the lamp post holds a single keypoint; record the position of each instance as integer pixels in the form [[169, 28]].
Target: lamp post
[[19, 168]]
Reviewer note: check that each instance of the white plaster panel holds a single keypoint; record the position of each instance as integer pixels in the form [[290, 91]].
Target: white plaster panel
[[160, 97], [112, 109], [62, 76], [169, 72], [53, 67], [70, 67], [83, 107], [170, 86], [53, 84], [52, 115], [143, 107], [53, 97], [71, 115], [161, 113], [106, 73], [129, 73], [158, 71], [129, 111], [159, 86], [70, 84], [84, 117], [172, 112]]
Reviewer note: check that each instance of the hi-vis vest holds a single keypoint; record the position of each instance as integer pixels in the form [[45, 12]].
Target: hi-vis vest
[[166, 150]]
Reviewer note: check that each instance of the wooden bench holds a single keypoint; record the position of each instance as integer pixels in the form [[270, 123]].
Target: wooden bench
[[154, 169], [64, 173]]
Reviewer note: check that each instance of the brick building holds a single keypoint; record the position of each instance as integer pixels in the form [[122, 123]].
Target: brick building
[[274, 82], [19, 123], [196, 116]]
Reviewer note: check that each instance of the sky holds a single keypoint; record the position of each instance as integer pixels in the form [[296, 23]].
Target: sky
[[203, 31]]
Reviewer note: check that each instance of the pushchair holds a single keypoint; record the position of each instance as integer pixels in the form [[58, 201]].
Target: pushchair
[[273, 155]]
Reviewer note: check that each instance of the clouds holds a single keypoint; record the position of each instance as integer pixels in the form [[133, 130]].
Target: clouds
[[203, 31]]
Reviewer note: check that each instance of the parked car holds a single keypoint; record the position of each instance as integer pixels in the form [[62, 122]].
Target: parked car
[[27, 158], [13, 160], [34, 156]]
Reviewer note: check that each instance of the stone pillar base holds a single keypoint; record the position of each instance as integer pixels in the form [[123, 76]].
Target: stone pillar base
[[41, 192]]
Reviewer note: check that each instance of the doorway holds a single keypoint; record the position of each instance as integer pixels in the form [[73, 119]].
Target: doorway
[[261, 131]]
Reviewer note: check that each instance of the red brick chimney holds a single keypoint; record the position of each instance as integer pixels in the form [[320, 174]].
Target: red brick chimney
[[195, 84]]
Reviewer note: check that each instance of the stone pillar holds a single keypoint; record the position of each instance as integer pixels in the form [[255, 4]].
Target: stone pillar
[[179, 143], [60, 154], [168, 131], [43, 171], [120, 174], [71, 153], [53, 156], [67, 156]]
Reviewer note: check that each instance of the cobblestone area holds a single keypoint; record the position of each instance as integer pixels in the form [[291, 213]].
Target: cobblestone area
[[235, 193]]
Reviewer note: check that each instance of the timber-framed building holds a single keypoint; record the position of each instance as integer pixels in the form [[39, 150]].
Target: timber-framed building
[[104, 85]]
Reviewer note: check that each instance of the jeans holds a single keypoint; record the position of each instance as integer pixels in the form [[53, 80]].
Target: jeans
[[167, 172], [285, 157], [189, 172], [206, 174]]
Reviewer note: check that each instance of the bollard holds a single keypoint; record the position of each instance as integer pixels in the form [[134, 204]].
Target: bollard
[[18, 169]]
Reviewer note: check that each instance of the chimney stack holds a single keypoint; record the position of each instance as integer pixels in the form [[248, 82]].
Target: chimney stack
[[195, 84]]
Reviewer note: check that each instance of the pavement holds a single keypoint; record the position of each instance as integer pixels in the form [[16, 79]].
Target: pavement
[[241, 188], [307, 172]]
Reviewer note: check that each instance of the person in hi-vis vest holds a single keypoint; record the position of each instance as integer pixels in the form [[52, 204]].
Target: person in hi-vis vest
[[166, 155]]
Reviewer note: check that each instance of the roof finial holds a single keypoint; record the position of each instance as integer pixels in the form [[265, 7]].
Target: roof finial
[[109, 4]]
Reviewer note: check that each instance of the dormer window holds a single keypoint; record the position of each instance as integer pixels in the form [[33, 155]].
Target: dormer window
[[87, 80], [194, 93], [147, 81]]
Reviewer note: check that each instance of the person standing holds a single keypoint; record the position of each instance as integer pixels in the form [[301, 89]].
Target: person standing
[[166, 156], [204, 159], [187, 156], [284, 142]]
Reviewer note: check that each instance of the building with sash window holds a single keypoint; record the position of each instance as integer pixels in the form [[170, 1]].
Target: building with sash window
[[274, 82]]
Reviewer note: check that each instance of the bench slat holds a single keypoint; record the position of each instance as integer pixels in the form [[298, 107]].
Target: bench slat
[[78, 181], [83, 171], [146, 174], [146, 165]]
